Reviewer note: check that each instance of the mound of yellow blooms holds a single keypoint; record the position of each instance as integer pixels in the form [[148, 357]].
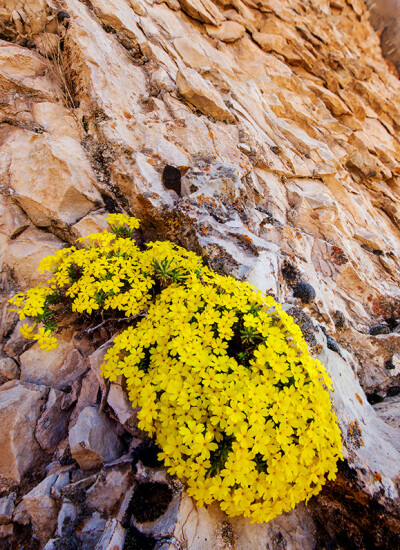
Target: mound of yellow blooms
[[222, 375]]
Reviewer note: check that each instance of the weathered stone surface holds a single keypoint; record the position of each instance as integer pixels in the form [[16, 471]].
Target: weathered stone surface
[[204, 529], [67, 516], [12, 219], [52, 426], [42, 508], [228, 31], [52, 179], [389, 411], [6, 508], [8, 369], [25, 70], [25, 252], [20, 405], [95, 222], [93, 440], [58, 367], [203, 10], [110, 488], [127, 416], [92, 530], [202, 95]]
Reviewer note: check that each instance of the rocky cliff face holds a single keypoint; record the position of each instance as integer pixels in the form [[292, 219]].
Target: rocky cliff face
[[263, 135]]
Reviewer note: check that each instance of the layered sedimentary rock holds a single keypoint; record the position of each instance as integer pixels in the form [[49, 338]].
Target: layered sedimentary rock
[[264, 136]]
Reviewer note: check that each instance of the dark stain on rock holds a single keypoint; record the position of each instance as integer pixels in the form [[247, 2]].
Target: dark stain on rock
[[150, 501], [171, 178]]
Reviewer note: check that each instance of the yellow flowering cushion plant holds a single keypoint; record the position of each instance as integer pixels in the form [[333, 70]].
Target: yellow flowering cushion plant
[[222, 375]]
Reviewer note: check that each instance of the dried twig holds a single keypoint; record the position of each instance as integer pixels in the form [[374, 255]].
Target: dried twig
[[110, 320]]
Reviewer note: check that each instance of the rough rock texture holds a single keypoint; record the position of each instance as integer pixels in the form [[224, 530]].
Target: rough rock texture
[[93, 440], [279, 122]]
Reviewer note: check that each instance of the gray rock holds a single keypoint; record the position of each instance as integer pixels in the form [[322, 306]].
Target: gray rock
[[389, 411], [66, 518], [109, 489], [93, 440], [127, 416], [6, 508], [113, 537], [20, 405], [53, 423], [91, 531], [42, 508]]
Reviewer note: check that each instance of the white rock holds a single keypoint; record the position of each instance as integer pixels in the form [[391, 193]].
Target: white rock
[[113, 537], [389, 411], [93, 440]]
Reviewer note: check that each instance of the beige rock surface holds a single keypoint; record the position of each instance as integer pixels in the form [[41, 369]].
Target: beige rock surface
[[202, 95], [57, 368]]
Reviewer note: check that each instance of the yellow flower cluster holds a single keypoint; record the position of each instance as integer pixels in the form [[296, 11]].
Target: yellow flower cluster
[[222, 375]]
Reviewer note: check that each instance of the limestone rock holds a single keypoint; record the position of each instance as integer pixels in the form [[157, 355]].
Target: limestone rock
[[20, 405], [203, 529], [58, 185], [58, 367], [52, 426], [66, 518], [389, 411], [8, 369], [26, 70], [113, 536], [25, 252], [13, 220], [127, 416], [42, 508], [6, 508], [106, 494], [92, 531], [202, 95], [95, 222], [57, 120], [228, 31], [93, 440], [270, 42], [203, 10]]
